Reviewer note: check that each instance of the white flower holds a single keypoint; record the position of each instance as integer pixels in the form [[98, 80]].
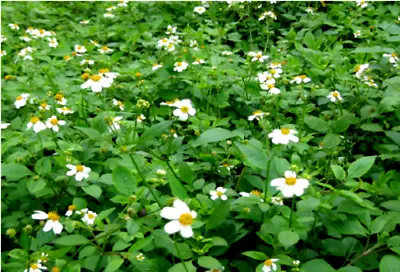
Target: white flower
[[174, 40], [35, 267], [180, 66], [270, 14], [119, 104], [53, 42], [257, 56], [20, 101], [283, 136], [114, 123], [140, 118], [171, 30], [277, 201], [123, 3], [275, 65], [89, 217], [359, 69], [393, 58], [79, 171], [44, 106], [310, 10], [36, 124], [36, 33], [276, 72], [271, 87], [43, 258], [25, 38], [156, 66], [52, 222], [184, 109], [357, 34], [111, 8], [105, 49], [362, 3], [269, 265], [108, 15], [105, 72], [258, 114], [163, 42], [71, 209], [370, 82], [95, 43], [296, 262], [182, 219], [301, 78], [4, 126], [199, 10], [335, 95], [14, 26], [82, 212], [25, 53], [290, 185], [198, 61], [140, 257], [97, 83], [60, 99], [84, 22], [252, 193], [170, 47], [80, 48], [170, 103], [3, 53], [2, 38], [87, 61], [64, 110], [226, 53], [53, 123], [266, 77], [219, 193], [194, 44]]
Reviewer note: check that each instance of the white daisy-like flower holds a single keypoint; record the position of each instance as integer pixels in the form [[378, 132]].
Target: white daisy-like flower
[[252, 193], [258, 114], [184, 109], [275, 65], [357, 33], [219, 193], [79, 171], [257, 56], [370, 82], [156, 66], [41, 33], [111, 8], [95, 43], [53, 123], [170, 103], [123, 3], [52, 222], [140, 118], [171, 30], [43, 258], [290, 185], [310, 10], [71, 209], [270, 14], [105, 50], [14, 26], [35, 267], [4, 126], [276, 72], [97, 83], [335, 95], [140, 257], [108, 15], [362, 3], [119, 104], [200, 9], [182, 219], [105, 72], [60, 99], [175, 39], [84, 22], [64, 110], [25, 38], [198, 61], [266, 78], [163, 42], [270, 87], [89, 217], [283, 136], [3, 53], [44, 106], [180, 66], [194, 44], [393, 58], [36, 124], [82, 211], [80, 48], [269, 265], [300, 79], [276, 200], [53, 42], [170, 47], [21, 99], [87, 61], [114, 123], [359, 69], [25, 53], [226, 53]]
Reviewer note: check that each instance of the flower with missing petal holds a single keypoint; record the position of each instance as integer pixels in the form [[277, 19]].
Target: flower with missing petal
[[283, 136], [105, 49], [335, 95], [170, 103], [258, 114], [53, 42], [80, 48], [35, 267], [362, 3], [257, 56], [198, 61], [156, 66], [218, 193], [89, 217], [97, 83], [84, 22], [182, 219], [4, 126], [118, 103], [301, 78], [170, 30], [359, 69], [269, 265], [14, 26], [52, 222], [114, 123], [184, 109], [20, 101], [64, 110], [140, 118], [393, 58], [290, 185], [79, 171], [71, 209]]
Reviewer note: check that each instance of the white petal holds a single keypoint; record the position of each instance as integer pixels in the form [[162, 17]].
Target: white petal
[[244, 194], [39, 215], [187, 232], [214, 197], [86, 170], [294, 138], [192, 111], [181, 206], [71, 172], [172, 227], [170, 213], [194, 214], [48, 226], [303, 183], [290, 174], [224, 197], [79, 176], [87, 84], [278, 182], [57, 227], [96, 87]]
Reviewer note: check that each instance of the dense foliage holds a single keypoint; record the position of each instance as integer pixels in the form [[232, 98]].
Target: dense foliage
[[188, 136]]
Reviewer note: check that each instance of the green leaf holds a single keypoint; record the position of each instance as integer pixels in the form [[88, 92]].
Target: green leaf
[[209, 262], [186, 173], [141, 244], [35, 186], [124, 181], [92, 190], [91, 133], [71, 240], [253, 156], [389, 263], [14, 171], [379, 223], [349, 269], [308, 205], [393, 205], [218, 215], [188, 267], [360, 167], [255, 255], [395, 136], [288, 238], [317, 265], [213, 135], [177, 189], [331, 140], [371, 127], [338, 171], [153, 132], [316, 124], [114, 264]]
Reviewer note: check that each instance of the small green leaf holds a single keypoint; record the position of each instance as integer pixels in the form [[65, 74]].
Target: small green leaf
[[186, 173], [371, 127], [253, 156], [213, 135], [178, 190], [71, 240], [316, 123], [360, 167], [389, 263], [180, 267], [338, 171], [317, 265], [218, 215], [255, 255], [92, 190], [124, 181], [288, 238], [14, 171], [209, 262], [114, 264], [153, 132]]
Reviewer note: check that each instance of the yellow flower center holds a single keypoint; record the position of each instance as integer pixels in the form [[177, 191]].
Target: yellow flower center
[[268, 262], [53, 216], [19, 97], [169, 102], [179, 64], [54, 121], [91, 215], [257, 112], [85, 76], [79, 168], [138, 74], [220, 194], [95, 78], [74, 53], [43, 105], [15, 25], [357, 68], [290, 181], [170, 45], [270, 86], [55, 269], [42, 31], [185, 109], [103, 70], [34, 266], [65, 109], [335, 94], [140, 117], [255, 192], [164, 40], [71, 207], [104, 48], [259, 56], [34, 120], [67, 57], [58, 97], [303, 76], [275, 63], [394, 55], [273, 71], [285, 131], [186, 219]]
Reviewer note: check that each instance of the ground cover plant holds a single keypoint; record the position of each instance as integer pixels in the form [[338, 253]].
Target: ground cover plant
[[200, 136]]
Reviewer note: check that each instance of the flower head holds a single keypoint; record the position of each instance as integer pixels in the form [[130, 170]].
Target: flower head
[[180, 66], [290, 185], [357, 33], [218, 193], [118, 103], [36, 124], [52, 222], [14, 26], [79, 171], [362, 3], [84, 22], [184, 109], [283, 136], [64, 110], [53, 42], [359, 69], [182, 219], [53, 123], [156, 66], [277, 201], [71, 209], [170, 30], [301, 78], [20, 101], [200, 9], [114, 123], [335, 95], [269, 265], [140, 257], [35, 267], [89, 217], [140, 118], [80, 48], [258, 114], [393, 58], [198, 61], [105, 49], [257, 56], [97, 83]]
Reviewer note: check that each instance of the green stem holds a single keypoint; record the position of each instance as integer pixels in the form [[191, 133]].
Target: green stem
[[169, 166], [179, 254], [55, 139], [292, 212], [83, 110]]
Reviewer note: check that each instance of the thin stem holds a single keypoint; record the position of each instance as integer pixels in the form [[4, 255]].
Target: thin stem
[[179, 254], [169, 166], [83, 110], [292, 212], [55, 139]]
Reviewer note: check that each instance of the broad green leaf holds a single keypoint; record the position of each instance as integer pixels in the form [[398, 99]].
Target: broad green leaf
[[180, 267], [317, 265], [375, 49], [218, 215], [338, 171], [253, 156], [393, 205], [371, 127], [177, 188], [316, 123], [153, 132], [379, 223], [209, 262], [288, 238], [389, 263], [92, 190], [71, 240], [213, 135], [360, 167], [123, 180], [395, 136], [114, 264], [256, 255], [308, 204], [186, 173], [14, 171], [35, 186]]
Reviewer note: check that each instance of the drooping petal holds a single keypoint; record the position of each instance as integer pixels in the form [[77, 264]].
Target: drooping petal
[[87, 84], [39, 215], [194, 214], [170, 213], [192, 111], [48, 226], [71, 172], [57, 227], [96, 87], [172, 227], [187, 232], [224, 197]]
